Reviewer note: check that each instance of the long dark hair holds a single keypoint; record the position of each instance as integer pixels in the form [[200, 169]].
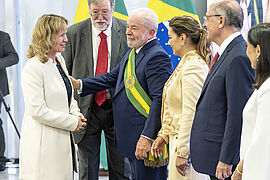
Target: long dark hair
[[260, 35]]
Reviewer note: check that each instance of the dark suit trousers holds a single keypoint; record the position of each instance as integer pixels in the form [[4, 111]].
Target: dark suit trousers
[[2, 139], [101, 118], [140, 172]]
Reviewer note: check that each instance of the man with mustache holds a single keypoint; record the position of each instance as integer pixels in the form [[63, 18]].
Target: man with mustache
[[94, 47], [138, 80]]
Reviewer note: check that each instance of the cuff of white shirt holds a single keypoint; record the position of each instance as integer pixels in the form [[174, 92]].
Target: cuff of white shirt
[[80, 90], [147, 138]]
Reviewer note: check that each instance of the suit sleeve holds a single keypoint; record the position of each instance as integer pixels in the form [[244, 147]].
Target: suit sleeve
[[239, 80], [10, 57], [101, 82], [192, 82], [158, 70], [32, 86]]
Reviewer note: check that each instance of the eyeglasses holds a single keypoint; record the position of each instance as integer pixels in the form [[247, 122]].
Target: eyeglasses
[[208, 16], [97, 13]]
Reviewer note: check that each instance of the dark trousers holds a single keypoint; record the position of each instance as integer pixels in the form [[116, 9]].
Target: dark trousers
[[140, 172], [2, 140], [214, 178], [101, 118]]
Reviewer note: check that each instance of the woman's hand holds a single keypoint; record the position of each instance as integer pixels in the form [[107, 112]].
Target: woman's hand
[[81, 123], [237, 174], [181, 165], [157, 146]]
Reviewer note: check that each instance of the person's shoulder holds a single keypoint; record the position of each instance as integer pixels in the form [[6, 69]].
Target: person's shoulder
[[4, 35], [33, 62], [120, 22], [78, 27], [265, 86]]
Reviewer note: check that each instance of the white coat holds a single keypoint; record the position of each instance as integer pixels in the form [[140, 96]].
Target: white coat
[[46, 146], [255, 140]]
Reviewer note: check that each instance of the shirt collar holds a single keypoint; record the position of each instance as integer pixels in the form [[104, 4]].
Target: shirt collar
[[138, 50], [227, 41]]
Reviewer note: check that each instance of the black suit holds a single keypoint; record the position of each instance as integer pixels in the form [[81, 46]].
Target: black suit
[[8, 57], [80, 64]]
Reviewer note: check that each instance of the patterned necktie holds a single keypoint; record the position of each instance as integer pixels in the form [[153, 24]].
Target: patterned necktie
[[213, 61], [102, 65]]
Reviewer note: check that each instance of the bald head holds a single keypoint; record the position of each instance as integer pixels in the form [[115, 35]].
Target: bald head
[[231, 11]]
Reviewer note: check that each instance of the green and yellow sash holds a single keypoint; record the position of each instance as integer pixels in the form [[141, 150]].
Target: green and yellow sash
[[141, 101]]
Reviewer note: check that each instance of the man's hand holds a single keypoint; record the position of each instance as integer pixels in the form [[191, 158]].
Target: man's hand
[[157, 147], [75, 83], [181, 165], [81, 123], [143, 146], [223, 170]]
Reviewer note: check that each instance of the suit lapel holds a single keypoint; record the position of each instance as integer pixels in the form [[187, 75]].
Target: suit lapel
[[86, 39], [220, 61], [120, 80]]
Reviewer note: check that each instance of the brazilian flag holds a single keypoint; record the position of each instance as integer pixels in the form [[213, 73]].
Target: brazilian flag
[[166, 10]]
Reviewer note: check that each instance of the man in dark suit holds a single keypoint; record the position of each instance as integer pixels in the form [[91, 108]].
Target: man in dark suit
[[216, 130], [134, 132], [8, 57], [81, 55]]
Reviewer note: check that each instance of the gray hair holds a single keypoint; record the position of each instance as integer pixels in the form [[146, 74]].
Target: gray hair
[[98, 1], [148, 17], [232, 12]]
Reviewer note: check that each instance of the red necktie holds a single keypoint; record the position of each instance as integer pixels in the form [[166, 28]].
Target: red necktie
[[102, 65], [213, 61]]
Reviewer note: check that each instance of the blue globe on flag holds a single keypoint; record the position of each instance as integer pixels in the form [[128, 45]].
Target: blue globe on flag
[[163, 39]]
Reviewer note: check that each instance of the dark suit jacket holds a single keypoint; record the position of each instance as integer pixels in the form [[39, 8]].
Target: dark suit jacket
[[78, 55], [8, 57], [153, 68], [216, 130]]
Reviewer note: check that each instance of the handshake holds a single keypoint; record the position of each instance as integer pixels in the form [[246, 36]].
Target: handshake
[[75, 83]]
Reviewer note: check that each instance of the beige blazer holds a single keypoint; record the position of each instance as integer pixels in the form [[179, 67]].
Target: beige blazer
[[46, 141], [180, 95]]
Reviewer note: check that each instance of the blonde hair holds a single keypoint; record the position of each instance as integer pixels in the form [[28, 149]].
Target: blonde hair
[[46, 27]]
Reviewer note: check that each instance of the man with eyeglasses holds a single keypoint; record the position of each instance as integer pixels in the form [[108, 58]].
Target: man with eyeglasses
[[94, 47], [217, 125]]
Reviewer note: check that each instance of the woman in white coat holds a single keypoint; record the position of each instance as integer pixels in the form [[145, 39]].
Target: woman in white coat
[[255, 140], [51, 113]]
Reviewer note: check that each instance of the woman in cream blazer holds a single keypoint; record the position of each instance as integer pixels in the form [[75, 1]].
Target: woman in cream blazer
[[51, 113], [180, 95], [255, 139]]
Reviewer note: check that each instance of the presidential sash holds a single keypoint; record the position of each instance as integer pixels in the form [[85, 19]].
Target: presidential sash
[[141, 101]]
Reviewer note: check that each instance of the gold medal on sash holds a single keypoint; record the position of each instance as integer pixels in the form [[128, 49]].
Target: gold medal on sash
[[130, 82]]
